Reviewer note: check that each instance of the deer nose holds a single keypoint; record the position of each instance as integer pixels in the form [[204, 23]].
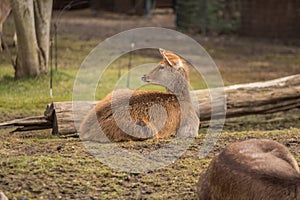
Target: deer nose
[[144, 78]]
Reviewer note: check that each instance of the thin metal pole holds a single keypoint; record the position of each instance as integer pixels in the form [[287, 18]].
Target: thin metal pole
[[130, 64], [204, 17], [119, 68], [56, 49], [51, 68]]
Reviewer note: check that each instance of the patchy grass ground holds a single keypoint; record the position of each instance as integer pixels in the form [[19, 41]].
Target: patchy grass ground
[[47, 167], [41, 166]]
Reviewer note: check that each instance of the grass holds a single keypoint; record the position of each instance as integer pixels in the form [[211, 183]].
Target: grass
[[42, 166], [29, 96]]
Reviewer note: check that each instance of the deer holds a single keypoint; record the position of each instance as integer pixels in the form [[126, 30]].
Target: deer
[[252, 169], [146, 114]]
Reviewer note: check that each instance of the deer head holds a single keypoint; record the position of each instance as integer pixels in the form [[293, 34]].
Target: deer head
[[170, 71]]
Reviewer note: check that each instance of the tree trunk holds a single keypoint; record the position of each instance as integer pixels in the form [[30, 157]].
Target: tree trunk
[[4, 12], [32, 19], [43, 11]]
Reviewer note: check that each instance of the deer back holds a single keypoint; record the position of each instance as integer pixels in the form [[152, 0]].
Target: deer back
[[110, 117], [252, 169]]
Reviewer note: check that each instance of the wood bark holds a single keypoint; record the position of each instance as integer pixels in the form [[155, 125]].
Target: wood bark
[[27, 62], [32, 19], [43, 12], [244, 99], [4, 12], [255, 98], [29, 123]]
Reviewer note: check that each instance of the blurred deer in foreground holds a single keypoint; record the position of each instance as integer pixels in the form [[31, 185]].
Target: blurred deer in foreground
[[255, 169], [138, 115], [5, 9]]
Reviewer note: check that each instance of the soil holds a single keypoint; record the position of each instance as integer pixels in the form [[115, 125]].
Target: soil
[[91, 24]]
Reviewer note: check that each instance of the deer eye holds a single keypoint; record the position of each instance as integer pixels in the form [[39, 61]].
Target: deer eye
[[161, 67]]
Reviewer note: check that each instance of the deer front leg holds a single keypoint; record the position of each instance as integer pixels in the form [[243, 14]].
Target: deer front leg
[[189, 127]]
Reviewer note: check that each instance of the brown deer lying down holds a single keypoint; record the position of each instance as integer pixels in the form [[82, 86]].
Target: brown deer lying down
[[144, 118], [255, 169]]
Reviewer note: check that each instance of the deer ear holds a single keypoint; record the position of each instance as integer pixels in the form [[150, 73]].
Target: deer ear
[[172, 59], [162, 51], [164, 55]]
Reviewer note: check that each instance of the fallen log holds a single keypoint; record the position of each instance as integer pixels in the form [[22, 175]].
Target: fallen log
[[243, 99], [29, 124], [255, 98]]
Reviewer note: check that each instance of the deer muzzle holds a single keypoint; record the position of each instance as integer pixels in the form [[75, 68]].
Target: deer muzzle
[[145, 78]]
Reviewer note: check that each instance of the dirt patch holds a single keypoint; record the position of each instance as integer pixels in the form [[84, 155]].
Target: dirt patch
[[90, 24]]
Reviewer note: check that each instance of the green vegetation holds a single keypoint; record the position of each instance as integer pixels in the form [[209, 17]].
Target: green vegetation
[[30, 96], [215, 16]]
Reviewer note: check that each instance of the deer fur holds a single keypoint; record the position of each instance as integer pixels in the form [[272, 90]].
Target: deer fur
[[144, 118], [255, 169]]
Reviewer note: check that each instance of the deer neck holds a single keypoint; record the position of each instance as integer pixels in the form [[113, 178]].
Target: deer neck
[[180, 88]]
